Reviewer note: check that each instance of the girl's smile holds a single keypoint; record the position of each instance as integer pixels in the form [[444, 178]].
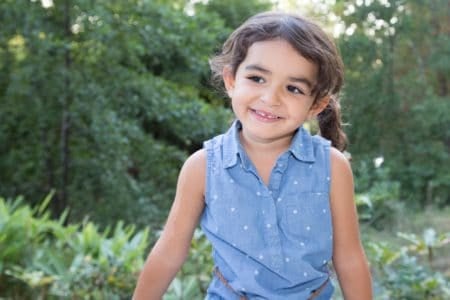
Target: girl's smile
[[264, 116]]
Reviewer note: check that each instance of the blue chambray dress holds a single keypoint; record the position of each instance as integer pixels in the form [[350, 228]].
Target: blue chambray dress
[[269, 241]]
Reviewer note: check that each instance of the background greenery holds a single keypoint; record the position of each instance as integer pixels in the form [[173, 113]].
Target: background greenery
[[101, 102]]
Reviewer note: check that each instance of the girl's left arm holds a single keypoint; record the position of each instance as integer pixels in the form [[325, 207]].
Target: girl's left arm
[[349, 259]]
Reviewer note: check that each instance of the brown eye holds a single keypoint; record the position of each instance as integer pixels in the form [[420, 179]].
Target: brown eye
[[256, 79], [295, 90]]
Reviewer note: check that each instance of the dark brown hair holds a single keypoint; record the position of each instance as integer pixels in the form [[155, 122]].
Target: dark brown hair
[[311, 42]]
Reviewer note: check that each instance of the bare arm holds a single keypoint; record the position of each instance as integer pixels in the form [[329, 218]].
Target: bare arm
[[348, 254], [171, 249]]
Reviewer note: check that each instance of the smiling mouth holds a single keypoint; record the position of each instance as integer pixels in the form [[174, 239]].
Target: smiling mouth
[[265, 116]]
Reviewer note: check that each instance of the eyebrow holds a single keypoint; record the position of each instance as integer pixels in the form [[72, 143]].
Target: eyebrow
[[304, 80]]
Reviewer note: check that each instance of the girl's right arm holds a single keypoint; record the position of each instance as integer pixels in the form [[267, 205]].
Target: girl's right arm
[[171, 249]]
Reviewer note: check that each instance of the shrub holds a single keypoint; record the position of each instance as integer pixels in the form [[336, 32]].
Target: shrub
[[377, 197], [401, 274], [41, 258]]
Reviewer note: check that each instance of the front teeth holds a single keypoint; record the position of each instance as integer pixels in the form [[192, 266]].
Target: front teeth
[[265, 115]]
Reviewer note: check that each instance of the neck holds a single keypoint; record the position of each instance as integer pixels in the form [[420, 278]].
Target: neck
[[268, 148]]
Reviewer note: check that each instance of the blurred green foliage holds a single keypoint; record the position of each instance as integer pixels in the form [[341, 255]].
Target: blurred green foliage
[[377, 195], [399, 273], [396, 96], [40, 258]]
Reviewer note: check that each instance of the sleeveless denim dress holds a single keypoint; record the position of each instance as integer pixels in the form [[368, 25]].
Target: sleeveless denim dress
[[269, 241]]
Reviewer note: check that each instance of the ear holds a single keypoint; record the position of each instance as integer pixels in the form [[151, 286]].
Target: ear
[[228, 80], [318, 107]]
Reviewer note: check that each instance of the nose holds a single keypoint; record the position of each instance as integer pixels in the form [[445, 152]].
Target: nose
[[270, 97]]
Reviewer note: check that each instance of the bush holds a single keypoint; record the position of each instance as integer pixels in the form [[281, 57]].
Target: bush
[[401, 273], [377, 197], [41, 258]]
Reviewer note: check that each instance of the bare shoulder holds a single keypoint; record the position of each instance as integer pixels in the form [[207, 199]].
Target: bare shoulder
[[197, 159], [341, 180], [192, 174], [188, 203], [339, 162]]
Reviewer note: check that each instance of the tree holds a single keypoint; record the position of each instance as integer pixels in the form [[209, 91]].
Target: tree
[[98, 102], [396, 54]]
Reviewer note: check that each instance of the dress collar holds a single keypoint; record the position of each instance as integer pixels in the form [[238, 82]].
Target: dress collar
[[301, 146]]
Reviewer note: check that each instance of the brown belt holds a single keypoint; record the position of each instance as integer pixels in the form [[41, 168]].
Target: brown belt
[[225, 283], [222, 279], [317, 292]]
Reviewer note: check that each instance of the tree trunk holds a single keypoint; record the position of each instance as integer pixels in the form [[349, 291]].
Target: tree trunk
[[63, 198]]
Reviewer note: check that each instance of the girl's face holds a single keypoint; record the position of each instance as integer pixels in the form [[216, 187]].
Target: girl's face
[[271, 92]]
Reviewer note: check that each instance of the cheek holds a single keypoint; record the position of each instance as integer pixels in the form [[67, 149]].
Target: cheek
[[240, 95], [300, 112], [234, 105]]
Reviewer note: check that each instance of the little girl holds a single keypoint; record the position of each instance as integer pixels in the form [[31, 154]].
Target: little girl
[[275, 202]]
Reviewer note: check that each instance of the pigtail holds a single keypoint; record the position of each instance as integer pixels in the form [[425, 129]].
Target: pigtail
[[330, 124]]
